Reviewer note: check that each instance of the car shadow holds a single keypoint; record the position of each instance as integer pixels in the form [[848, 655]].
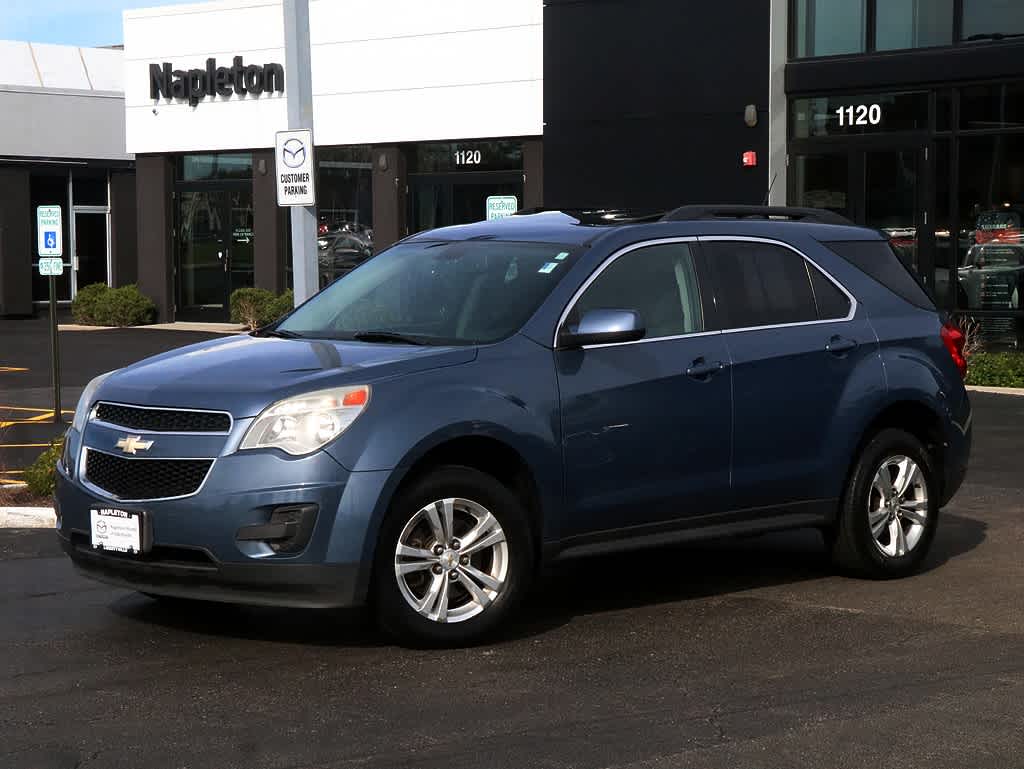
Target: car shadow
[[566, 589]]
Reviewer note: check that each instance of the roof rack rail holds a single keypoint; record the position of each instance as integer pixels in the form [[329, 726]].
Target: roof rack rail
[[606, 216], [816, 215]]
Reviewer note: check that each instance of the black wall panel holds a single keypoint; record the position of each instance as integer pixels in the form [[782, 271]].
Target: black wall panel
[[644, 100]]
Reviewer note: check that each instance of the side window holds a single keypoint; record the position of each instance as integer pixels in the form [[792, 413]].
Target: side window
[[832, 303], [760, 284], [659, 282]]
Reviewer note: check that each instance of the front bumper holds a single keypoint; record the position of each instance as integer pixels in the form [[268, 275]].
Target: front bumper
[[196, 548], [300, 585]]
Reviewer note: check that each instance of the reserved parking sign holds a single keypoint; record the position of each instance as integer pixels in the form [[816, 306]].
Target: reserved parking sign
[[50, 241]]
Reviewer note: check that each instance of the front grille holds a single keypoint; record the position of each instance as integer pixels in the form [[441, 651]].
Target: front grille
[[164, 420], [145, 478]]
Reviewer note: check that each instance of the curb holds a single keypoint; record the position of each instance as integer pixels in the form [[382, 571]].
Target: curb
[[27, 518], [996, 390]]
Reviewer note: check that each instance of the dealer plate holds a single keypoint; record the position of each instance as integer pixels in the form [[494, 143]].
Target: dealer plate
[[116, 530]]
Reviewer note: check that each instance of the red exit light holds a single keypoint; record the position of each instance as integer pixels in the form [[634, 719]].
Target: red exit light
[[749, 159]]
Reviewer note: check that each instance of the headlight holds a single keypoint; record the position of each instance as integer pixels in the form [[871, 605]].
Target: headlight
[[82, 409], [305, 423]]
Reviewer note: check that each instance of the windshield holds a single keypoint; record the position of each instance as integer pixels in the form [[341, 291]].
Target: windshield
[[450, 292]]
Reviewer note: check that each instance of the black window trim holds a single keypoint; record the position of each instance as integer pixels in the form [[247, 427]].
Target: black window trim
[[571, 305], [808, 263]]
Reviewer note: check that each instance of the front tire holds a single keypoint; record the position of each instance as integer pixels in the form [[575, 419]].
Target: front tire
[[454, 558], [889, 511]]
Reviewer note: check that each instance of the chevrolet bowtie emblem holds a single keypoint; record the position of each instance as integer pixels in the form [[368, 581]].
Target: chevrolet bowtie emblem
[[132, 444]]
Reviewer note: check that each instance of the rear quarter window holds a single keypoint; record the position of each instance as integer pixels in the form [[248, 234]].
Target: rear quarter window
[[877, 259]]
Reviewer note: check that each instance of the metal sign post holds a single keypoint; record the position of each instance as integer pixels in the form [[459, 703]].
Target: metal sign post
[[298, 92], [50, 245]]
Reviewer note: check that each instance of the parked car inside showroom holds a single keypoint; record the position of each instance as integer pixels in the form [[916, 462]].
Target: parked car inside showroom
[[480, 400]]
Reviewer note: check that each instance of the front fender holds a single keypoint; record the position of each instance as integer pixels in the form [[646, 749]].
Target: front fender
[[509, 394]]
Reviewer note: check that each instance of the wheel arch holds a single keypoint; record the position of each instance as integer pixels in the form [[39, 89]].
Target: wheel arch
[[488, 452], [916, 417]]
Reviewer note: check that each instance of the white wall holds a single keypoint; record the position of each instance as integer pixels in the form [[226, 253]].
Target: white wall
[[383, 71]]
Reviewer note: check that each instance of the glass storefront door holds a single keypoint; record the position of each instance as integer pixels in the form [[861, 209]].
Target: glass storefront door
[[440, 200], [449, 182], [90, 244], [884, 187], [215, 250]]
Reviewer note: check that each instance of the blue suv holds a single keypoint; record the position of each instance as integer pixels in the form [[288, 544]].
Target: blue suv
[[479, 400]]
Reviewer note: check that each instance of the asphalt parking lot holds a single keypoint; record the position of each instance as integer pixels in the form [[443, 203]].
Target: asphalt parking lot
[[26, 390], [744, 653]]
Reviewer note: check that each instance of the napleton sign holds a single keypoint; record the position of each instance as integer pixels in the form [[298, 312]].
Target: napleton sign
[[196, 84]]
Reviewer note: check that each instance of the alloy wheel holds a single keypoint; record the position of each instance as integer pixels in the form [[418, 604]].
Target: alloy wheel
[[451, 561], [898, 506]]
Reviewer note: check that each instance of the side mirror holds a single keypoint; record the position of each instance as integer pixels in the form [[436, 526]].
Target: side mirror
[[603, 327]]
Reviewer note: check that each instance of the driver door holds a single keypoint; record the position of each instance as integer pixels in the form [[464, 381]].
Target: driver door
[[647, 425]]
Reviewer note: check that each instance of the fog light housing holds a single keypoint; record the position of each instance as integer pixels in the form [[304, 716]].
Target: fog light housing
[[287, 530]]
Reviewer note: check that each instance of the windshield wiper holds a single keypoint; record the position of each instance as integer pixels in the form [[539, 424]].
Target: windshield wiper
[[385, 336], [282, 334]]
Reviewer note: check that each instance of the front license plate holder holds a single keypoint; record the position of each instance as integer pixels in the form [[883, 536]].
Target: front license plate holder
[[116, 530]]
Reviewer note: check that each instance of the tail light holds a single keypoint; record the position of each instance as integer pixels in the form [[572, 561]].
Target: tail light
[[953, 338]]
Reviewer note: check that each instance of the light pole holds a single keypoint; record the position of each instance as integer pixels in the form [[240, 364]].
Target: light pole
[[298, 90]]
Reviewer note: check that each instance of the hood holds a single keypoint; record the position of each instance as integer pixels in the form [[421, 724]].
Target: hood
[[245, 374]]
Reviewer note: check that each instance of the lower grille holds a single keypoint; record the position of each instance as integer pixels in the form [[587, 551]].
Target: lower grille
[[145, 478]]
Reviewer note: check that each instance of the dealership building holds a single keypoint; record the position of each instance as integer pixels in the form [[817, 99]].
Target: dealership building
[[905, 115]]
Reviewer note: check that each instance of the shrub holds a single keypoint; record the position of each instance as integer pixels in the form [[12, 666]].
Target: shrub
[[41, 475], [125, 306], [252, 307], [996, 369], [100, 305], [84, 306], [256, 307], [284, 304]]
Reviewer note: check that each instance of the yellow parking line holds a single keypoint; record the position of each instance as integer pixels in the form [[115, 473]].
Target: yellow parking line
[[11, 369], [23, 445], [12, 472], [21, 408], [31, 420]]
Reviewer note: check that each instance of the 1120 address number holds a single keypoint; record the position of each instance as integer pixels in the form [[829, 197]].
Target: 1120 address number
[[859, 114]]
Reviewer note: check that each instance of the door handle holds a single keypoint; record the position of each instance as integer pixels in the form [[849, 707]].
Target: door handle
[[840, 345], [704, 370]]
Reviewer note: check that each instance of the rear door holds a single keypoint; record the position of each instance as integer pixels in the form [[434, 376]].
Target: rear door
[[646, 424], [798, 347]]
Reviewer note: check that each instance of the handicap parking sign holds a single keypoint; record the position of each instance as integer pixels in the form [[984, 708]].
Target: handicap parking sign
[[48, 224]]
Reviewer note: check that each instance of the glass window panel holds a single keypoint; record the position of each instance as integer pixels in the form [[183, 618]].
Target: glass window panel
[[344, 209], [831, 302], [757, 284], [944, 110], [821, 181], [981, 106], [221, 165], [89, 190], [829, 27], [945, 247], [891, 200], [659, 282], [991, 243], [988, 19], [913, 24]]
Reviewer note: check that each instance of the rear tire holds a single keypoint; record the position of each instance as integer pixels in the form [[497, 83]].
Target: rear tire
[[889, 511], [454, 558]]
